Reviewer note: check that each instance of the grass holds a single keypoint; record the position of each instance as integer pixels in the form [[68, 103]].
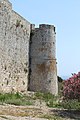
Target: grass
[[51, 100], [44, 96], [51, 117], [15, 99], [18, 99], [71, 104], [54, 102]]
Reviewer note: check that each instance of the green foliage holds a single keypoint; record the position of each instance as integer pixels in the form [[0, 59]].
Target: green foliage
[[60, 85], [59, 79], [4, 97], [70, 104], [18, 102], [51, 117], [18, 23], [16, 99], [51, 100], [44, 96], [54, 104]]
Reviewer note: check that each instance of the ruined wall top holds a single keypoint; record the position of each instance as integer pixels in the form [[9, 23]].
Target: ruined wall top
[[47, 26], [43, 26]]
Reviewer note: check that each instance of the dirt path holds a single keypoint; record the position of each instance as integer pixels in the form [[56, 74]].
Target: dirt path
[[12, 112]]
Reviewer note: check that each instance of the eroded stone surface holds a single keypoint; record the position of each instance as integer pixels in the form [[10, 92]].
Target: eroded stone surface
[[14, 50], [43, 60], [27, 54]]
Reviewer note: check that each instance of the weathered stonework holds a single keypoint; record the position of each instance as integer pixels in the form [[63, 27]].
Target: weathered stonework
[[27, 54], [43, 72], [14, 48]]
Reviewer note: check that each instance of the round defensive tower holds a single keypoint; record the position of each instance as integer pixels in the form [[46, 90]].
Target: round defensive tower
[[43, 70]]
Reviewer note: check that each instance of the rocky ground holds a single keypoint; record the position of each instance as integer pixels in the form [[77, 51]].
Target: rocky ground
[[12, 112], [37, 111]]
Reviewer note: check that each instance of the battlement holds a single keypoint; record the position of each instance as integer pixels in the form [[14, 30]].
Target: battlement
[[47, 26], [43, 26]]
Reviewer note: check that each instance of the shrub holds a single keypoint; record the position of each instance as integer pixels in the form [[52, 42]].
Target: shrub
[[51, 100], [71, 104], [71, 89], [44, 96], [60, 85], [59, 79]]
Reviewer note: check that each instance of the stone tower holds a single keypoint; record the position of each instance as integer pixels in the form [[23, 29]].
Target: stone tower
[[27, 54], [43, 70]]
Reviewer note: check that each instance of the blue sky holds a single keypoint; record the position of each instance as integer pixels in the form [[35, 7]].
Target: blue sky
[[64, 14]]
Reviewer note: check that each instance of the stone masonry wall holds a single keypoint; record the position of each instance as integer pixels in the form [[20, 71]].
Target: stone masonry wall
[[14, 50], [27, 54], [43, 69]]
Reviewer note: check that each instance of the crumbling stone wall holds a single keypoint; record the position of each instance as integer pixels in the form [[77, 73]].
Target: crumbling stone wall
[[14, 50]]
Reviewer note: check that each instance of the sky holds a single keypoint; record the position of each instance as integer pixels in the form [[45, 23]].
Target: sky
[[64, 14]]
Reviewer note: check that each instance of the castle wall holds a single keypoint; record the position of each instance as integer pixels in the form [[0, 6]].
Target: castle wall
[[27, 54], [14, 50], [43, 70]]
